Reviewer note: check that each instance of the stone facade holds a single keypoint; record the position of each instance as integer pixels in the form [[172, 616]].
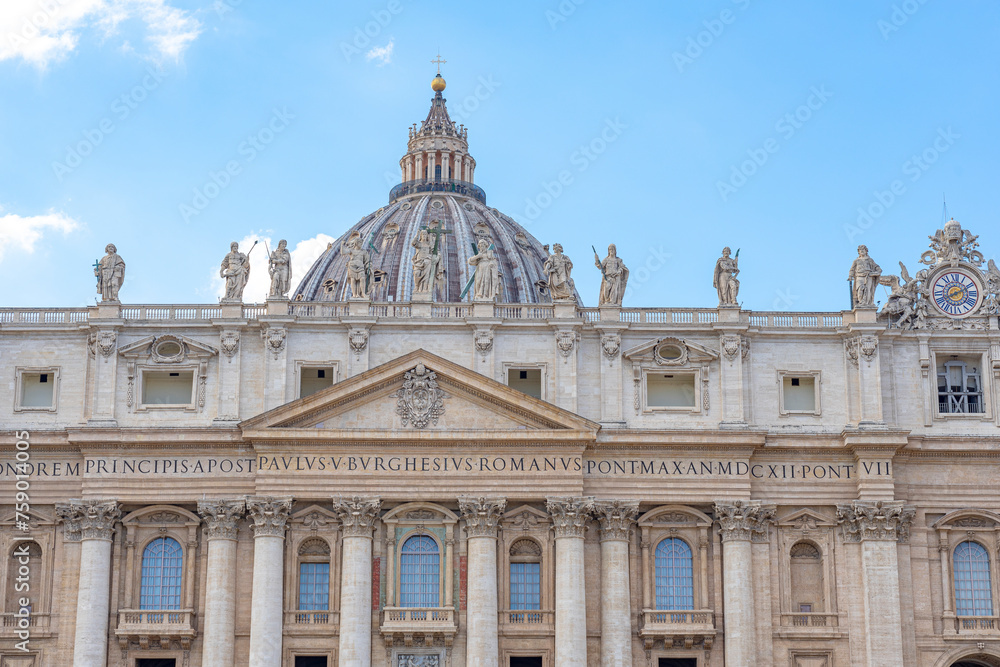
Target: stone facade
[[816, 485]]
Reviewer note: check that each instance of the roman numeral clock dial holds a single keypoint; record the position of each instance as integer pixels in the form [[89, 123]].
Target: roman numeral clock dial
[[956, 293]]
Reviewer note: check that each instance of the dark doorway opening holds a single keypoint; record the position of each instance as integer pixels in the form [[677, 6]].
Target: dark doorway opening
[[526, 661], [310, 661], [678, 662], [156, 662]]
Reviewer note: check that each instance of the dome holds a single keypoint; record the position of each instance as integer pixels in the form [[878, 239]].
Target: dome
[[437, 192], [392, 229]]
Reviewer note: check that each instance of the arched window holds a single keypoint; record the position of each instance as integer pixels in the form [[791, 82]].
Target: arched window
[[24, 554], [162, 561], [806, 573], [973, 592], [674, 575], [314, 575], [419, 572], [525, 575]]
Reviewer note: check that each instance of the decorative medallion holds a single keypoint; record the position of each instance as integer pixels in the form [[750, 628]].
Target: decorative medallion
[[420, 401], [611, 343], [405, 206], [389, 234], [566, 341], [671, 352], [731, 346], [105, 342], [230, 342], [274, 340], [484, 341], [359, 340]]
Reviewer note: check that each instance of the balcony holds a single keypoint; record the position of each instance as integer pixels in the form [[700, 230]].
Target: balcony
[[312, 622], [37, 624], [152, 627], [978, 626], [527, 622], [448, 185], [814, 625], [692, 626], [416, 623]]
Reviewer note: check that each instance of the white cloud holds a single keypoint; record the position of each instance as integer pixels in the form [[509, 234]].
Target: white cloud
[[303, 255], [22, 233], [381, 54], [44, 31]]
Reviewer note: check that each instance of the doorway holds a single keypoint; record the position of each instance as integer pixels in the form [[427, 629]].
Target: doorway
[[525, 661], [310, 661], [156, 662], [678, 662]]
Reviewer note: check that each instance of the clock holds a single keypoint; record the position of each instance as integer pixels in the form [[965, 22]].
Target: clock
[[956, 292]]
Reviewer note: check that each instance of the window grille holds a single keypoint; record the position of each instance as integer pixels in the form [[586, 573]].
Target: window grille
[[973, 591], [314, 586], [960, 390], [162, 561], [674, 575], [525, 586], [419, 572]]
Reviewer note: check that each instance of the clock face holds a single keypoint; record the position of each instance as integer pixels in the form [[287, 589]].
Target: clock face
[[956, 293]]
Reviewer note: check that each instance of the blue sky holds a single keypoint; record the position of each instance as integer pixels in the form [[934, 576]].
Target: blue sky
[[683, 127]]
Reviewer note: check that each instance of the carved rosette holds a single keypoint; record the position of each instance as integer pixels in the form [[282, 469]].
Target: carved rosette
[[222, 517], [357, 515], [863, 520], [358, 339], [616, 518], [89, 519], [569, 515], [566, 342], [269, 514], [274, 340], [420, 401], [744, 520], [482, 515], [611, 344], [229, 341]]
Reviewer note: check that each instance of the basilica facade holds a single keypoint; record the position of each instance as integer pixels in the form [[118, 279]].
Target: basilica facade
[[431, 453]]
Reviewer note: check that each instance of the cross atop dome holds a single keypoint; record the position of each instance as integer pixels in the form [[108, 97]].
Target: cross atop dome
[[439, 61]]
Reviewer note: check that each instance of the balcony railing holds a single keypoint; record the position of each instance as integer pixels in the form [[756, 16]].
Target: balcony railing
[[156, 625], [810, 620], [977, 625], [527, 620], [447, 185], [313, 617], [14, 621], [426, 621]]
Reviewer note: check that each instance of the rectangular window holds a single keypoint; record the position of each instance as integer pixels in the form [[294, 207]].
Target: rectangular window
[[313, 379], [167, 387], [799, 393], [527, 380], [525, 586], [671, 390], [805, 608], [960, 386], [37, 390], [314, 586]]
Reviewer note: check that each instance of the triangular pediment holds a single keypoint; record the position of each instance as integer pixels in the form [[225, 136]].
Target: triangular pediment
[[418, 396], [167, 348], [807, 519], [670, 351]]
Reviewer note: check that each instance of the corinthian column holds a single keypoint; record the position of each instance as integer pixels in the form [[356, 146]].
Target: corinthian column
[[270, 516], [616, 518], [481, 518], [221, 526], [740, 522], [357, 517], [569, 519], [878, 526], [92, 522]]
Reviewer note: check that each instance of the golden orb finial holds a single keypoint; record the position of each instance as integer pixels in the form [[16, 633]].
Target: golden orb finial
[[438, 84]]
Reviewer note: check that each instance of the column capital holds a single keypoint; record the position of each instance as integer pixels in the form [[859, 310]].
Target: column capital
[[482, 515], [887, 520], [569, 515], [357, 514], [89, 519], [616, 518], [744, 520], [269, 514], [222, 517]]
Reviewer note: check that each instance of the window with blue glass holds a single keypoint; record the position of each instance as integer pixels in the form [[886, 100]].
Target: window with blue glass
[[525, 585], [162, 561], [419, 572], [314, 586], [674, 575], [973, 589]]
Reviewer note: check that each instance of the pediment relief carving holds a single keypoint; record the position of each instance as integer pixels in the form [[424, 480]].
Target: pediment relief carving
[[420, 513], [969, 518], [525, 518], [675, 516], [161, 515], [671, 351], [315, 518], [806, 519], [167, 349]]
